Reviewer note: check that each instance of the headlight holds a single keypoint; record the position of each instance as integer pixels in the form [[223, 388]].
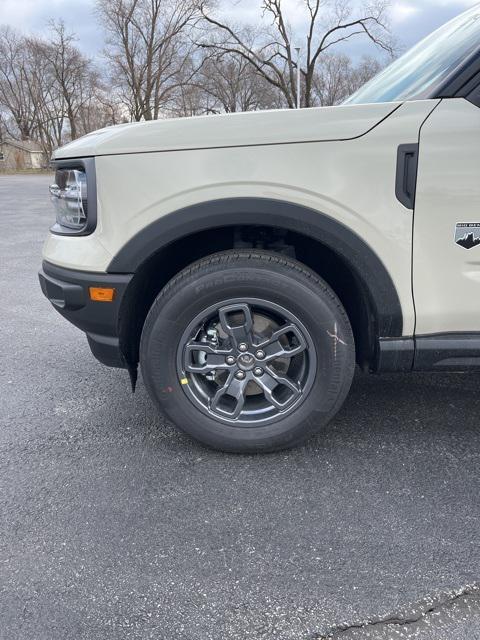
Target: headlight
[[69, 196]]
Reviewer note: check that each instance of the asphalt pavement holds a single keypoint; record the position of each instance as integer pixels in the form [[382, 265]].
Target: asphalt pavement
[[113, 525]]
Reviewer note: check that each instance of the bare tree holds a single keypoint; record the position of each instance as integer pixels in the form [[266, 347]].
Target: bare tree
[[329, 23], [28, 96], [336, 78], [46, 97], [15, 98], [48, 88], [191, 100], [363, 72], [146, 49], [235, 85], [3, 126], [102, 108], [190, 97], [72, 72], [86, 99]]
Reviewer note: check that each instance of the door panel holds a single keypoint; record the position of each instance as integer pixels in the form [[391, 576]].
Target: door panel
[[446, 254]]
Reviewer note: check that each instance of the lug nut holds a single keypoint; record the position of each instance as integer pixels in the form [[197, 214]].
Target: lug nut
[[260, 354], [258, 371], [243, 347], [240, 375], [230, 360]]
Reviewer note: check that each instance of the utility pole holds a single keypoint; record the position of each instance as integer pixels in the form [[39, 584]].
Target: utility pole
[[299, 83]]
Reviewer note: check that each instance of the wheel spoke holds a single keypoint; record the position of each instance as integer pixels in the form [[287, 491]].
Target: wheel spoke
[[237, 322], [234, 389], [206, 347], [271, 381], [213, 363], [274, 349], [215, 358]]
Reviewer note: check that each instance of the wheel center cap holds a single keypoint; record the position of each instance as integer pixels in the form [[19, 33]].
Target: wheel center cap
[[246, 361]]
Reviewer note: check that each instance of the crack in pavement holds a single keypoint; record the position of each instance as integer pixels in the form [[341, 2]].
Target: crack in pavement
[[437, 604]]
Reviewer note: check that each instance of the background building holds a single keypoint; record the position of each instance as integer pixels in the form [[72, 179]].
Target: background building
[[17, 155]]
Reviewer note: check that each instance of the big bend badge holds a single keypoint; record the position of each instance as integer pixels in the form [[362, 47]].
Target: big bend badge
[[467, 234]]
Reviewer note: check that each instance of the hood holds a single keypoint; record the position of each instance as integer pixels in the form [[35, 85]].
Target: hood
[[231, 130]]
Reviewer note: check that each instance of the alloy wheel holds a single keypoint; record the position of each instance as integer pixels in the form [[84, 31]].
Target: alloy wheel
[[246, 361]]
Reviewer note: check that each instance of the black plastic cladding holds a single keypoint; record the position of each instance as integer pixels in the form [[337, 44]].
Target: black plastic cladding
[[87, 165]]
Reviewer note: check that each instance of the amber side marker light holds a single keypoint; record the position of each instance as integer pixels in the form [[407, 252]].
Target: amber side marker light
[[102, 294]]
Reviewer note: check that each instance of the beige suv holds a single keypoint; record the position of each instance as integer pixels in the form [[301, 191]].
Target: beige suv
[[248, 261]]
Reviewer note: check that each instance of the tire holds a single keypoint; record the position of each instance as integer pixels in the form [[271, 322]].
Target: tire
[[264, 304]]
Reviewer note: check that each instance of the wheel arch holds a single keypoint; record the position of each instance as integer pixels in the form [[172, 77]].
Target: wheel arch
[[334, 251]]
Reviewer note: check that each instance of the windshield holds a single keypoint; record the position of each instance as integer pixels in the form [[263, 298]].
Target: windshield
[[425, 67]]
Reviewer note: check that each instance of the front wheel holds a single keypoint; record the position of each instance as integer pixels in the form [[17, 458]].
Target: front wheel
[[248, 351]]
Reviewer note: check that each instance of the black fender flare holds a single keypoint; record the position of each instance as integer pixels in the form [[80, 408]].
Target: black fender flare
[[354, 251]]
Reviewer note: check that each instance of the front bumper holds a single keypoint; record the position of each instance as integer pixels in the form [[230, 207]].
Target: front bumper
[[68, 291]]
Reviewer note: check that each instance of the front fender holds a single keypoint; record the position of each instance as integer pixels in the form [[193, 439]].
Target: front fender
[[354, 251]]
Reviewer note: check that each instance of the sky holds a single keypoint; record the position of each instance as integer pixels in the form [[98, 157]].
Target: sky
[[411, 20]]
